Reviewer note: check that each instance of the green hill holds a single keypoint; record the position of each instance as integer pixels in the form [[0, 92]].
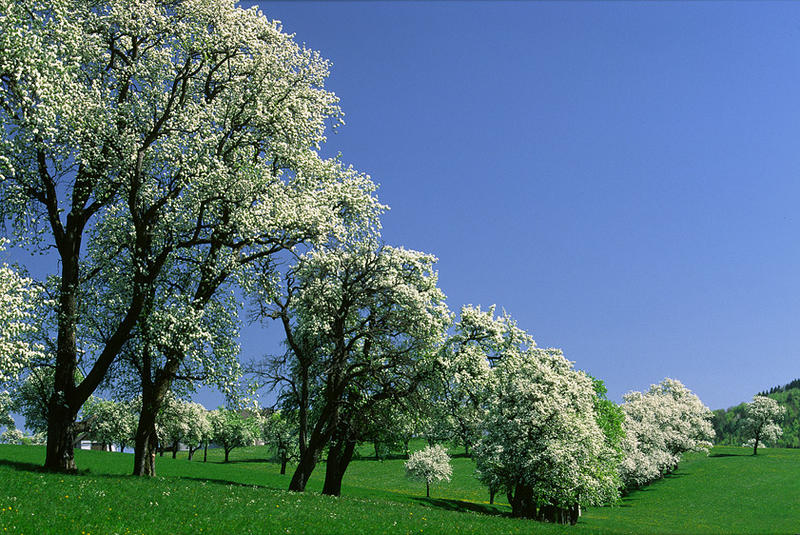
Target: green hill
[[726, 421], [729, 491]]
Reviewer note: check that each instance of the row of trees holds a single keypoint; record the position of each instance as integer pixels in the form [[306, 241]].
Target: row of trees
[[168, 152]]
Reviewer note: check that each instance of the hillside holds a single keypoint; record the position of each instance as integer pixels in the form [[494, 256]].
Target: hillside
[[721, 493], [726, 421]]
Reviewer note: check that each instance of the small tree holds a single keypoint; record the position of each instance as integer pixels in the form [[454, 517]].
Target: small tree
[[761, 420], [232, 429], [280, 432], [430, 465]]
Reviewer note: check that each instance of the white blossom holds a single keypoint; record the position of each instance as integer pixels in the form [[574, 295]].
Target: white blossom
[[431, 465]]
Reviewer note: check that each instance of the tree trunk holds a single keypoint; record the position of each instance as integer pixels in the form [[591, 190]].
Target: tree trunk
[[60, 438], [427, 489], [205, 452], [308, 460], [174, 450], [376, 446], [755, 444], [492, 492], [227, 452], [284, 459], [60, 454], [405, 444], [144, 449], [523, 505], [339, 457]]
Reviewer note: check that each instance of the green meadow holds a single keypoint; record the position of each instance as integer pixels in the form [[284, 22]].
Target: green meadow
[[729, 491]]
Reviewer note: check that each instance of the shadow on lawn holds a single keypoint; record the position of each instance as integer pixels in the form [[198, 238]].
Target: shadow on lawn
[[727, 455], [462, 506], [228, 482], [18, 465]]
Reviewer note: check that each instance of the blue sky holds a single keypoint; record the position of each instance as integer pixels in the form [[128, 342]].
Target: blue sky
[[623, 178]]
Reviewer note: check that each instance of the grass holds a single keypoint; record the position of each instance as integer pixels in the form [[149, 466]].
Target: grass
[[728, 492]]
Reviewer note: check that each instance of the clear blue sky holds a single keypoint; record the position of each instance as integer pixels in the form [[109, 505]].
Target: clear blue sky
[[623, 178]]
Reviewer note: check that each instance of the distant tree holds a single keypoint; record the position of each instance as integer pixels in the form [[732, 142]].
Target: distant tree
[[761, 421], [540, 440], [430, 465], [232, 429], [110, 422], [280, 432], [199, 429], [12, 436], [32, 399]]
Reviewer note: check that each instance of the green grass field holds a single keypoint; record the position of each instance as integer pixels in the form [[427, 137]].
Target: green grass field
[[729, 491]]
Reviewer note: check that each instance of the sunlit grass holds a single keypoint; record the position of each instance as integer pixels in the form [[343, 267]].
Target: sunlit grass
[[728, 492]]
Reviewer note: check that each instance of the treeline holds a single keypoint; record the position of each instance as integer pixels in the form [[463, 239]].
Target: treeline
[[727, 421]]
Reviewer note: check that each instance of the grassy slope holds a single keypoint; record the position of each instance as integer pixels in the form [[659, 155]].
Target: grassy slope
[[728, 492]]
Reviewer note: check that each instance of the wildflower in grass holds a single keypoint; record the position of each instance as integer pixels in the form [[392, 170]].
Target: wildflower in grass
[[430, 465]]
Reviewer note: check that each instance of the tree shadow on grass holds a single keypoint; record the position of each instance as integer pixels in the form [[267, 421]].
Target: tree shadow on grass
[[727, 455], [40, 469], [228, 482], [18, 465], [462, 506]]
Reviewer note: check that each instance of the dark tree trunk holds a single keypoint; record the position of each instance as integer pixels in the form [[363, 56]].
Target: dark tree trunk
[[205, 452], [308, 461], [405, 445], [559, 515], [144, 449], [376, 446], [492, 492], [60, 438], [60, 455], [174, 450], [310, 452], [755, 444], [339, 457], [227, 452], [427, 489], [284, 460], [523, 504]]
